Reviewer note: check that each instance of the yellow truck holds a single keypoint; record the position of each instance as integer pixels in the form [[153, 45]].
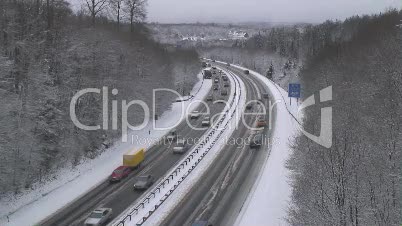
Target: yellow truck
[[134, 159]]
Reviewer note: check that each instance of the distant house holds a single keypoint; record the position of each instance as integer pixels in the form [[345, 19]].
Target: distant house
[[238, 35]]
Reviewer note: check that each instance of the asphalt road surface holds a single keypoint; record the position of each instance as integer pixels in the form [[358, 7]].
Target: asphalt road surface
[[219, 196], [119, 196]]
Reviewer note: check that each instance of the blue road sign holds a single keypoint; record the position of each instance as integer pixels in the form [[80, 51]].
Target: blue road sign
[[294, 90]]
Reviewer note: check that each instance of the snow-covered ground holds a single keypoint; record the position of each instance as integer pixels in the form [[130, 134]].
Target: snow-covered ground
[[36, 205], [267, 203], [208, 152]]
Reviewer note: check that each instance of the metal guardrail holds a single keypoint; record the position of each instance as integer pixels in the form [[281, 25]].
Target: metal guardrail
[[169, 179]]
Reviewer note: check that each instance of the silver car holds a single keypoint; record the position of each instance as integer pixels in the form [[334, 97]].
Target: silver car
[[181, 147], [98, 217], [195, 115], [143, 182], [206, 121]]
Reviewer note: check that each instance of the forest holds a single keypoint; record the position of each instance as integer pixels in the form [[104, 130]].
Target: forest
[[357, 180], [47, 54]]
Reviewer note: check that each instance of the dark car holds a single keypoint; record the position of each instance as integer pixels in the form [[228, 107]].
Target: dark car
[[120, 173], [143, 182], [224, 92], [246, 72], [256, 141], [249, 106], [228, 64]]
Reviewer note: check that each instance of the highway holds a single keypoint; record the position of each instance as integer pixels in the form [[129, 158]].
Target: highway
[[223, 185], [219, 196], [119, 196]]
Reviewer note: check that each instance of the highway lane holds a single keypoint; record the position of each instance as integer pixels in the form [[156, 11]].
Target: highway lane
[[224, 187], [234, 201], [159, 159]]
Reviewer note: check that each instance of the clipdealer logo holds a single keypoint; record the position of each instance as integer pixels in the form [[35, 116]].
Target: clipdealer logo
[[325, 137], [125, 125]]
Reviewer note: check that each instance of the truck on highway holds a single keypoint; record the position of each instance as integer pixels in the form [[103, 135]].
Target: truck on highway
[[133, 160]]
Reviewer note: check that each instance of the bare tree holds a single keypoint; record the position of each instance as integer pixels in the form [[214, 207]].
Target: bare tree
[[116, 6], [136, 9], [49, 14], [94, 7]]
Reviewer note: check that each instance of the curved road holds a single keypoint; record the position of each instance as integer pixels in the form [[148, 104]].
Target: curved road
[[119, 196], [224, 185], [218, 198]]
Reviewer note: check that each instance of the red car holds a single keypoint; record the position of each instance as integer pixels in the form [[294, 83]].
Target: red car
[[120, 173]]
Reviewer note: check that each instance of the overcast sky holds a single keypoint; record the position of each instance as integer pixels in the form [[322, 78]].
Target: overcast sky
[[179, 11]]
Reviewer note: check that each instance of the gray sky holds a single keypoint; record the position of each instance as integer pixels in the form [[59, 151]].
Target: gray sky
[[176, 11]]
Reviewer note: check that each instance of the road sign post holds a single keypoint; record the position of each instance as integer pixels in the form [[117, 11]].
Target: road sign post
[[294, 91]]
